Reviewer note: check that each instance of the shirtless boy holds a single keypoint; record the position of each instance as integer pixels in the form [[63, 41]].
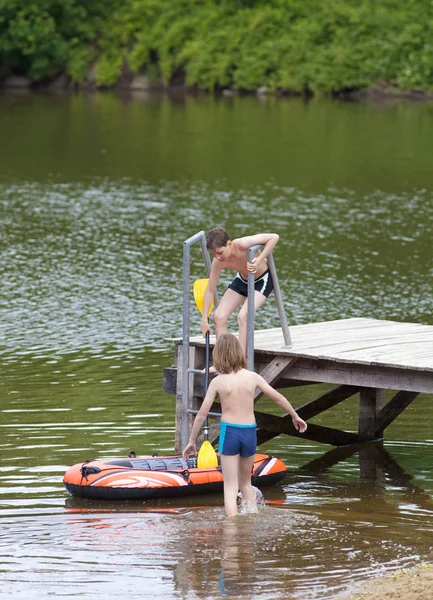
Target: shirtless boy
[[238, 438], [233, 254]]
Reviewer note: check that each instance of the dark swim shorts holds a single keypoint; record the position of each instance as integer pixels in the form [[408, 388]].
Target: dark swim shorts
[[262, 284], [237, 439]]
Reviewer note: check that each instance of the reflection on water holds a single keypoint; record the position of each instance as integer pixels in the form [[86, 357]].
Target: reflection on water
[[97, 195]]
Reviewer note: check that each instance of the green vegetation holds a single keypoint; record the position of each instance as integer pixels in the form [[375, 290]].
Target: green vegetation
[[291, 45]]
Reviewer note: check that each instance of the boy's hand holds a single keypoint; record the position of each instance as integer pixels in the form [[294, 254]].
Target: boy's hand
[[189, 449], [205, 327], [254, 264], [299, 424]]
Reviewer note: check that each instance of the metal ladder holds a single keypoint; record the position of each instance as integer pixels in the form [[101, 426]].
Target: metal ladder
[[201, 238]]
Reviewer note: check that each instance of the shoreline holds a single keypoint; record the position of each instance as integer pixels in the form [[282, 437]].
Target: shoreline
[[379, 90], [414, 583]]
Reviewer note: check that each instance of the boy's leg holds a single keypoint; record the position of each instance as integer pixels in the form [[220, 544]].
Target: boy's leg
[[230, 467], [259, 300], [228, 304], [245, 468]]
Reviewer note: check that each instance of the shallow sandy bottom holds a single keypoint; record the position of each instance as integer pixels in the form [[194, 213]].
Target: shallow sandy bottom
[[405, 584]]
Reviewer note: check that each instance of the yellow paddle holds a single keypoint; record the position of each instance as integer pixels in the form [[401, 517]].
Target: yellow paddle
[[200, 286], [206, 456]]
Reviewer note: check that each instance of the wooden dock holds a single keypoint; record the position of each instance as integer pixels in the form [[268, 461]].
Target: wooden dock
[[359, 356]]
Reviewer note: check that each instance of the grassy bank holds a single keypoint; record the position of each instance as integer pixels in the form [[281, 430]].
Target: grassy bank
[[292, 46]]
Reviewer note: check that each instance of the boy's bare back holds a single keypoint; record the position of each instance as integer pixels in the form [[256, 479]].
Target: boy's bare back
[[236, 392]]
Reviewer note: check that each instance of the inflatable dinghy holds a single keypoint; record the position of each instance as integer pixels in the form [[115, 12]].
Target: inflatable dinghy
[[142, 478]]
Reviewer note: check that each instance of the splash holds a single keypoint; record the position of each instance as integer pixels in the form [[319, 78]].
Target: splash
[[251, 506]]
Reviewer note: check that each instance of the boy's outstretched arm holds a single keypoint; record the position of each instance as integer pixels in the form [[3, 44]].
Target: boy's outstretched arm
[[279, 399]]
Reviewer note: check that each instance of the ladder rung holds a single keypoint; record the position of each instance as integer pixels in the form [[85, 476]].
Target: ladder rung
[[200, 371], [211, 414]]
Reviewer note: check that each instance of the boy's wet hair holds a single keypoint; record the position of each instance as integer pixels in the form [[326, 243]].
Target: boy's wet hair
[[216, 238], [228, 356]]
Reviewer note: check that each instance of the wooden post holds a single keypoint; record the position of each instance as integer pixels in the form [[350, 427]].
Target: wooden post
[[184, 419], [179, 408], [370, 403]]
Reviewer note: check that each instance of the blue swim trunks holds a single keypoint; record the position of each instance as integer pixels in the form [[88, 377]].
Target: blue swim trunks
[[237, 439]]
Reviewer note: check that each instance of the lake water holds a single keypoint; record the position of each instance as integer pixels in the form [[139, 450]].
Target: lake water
[[97, 194]]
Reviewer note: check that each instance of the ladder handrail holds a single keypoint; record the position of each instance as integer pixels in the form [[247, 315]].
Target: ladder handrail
[[277, 291], [198, 237]]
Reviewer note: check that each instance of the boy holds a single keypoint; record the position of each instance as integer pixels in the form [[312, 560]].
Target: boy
[[233, 254], [235, 387]]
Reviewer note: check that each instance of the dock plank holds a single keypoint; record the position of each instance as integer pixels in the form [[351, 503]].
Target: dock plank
[[357, 340]]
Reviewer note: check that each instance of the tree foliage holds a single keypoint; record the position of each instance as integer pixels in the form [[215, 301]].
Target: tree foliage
[[295, 45]]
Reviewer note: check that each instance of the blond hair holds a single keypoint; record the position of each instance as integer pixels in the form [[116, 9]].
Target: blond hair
[[228, 356]]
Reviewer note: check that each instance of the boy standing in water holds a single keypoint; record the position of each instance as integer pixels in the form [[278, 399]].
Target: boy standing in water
[[233, 254], [236, 387]]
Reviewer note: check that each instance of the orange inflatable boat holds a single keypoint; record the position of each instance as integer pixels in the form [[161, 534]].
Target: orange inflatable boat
[[142, 478]]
